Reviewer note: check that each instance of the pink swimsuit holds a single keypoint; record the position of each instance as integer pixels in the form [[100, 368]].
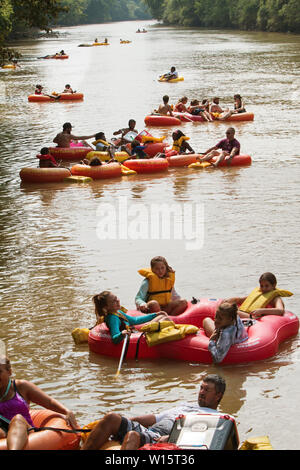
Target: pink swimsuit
[[14, 406]]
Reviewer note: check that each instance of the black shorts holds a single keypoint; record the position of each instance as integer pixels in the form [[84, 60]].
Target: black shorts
[[147, 436]]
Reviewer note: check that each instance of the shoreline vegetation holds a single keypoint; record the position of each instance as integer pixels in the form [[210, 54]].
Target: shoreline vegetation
[[280, 16]]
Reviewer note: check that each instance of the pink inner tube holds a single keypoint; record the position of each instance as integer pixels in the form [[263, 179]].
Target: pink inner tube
[[156, 120], [264, 337], [151, 165]]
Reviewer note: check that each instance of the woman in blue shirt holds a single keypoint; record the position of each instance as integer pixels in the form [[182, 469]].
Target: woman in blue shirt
[[109, 310]]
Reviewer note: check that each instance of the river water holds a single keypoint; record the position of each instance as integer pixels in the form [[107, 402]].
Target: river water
[[246, 220]]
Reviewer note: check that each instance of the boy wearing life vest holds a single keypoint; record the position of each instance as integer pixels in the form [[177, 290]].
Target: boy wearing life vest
[[157, 292], [263, 300], [46, 160]]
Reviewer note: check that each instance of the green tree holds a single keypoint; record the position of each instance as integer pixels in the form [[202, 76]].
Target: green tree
[[6, 12]]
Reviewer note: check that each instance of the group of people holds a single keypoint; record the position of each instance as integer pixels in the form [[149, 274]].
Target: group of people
[[210, 111], [225, 149], [156, 299], [39, 91]]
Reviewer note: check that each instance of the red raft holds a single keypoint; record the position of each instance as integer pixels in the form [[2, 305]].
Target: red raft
[[265, 336], [150, 165], [158, 120], [69, 153], [239, 117]]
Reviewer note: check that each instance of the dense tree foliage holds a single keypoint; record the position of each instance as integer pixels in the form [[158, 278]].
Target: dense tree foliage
[[264, 15]]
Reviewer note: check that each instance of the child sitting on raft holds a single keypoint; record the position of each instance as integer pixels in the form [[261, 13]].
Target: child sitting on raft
[[109, 310], [180, 143], [102, 145], [226, 330], [138, 150], [157, 290], [38, 91], [130, 129], [263, 300], [68, 89], [15, 396], [46, 160]]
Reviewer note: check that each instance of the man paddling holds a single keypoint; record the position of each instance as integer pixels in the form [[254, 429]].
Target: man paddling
[[135, 432], [64, 138]]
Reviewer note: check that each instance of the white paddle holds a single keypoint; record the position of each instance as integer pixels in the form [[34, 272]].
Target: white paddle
[[122, 354]]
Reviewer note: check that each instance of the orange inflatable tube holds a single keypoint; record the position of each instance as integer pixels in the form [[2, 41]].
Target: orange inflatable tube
[[182, 160], [63, 97], [151, 165], [44, 175], [240, 117], [47, 439], [108, 170]]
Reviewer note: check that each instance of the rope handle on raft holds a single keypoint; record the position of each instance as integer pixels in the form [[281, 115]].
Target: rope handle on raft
[[49, 428]]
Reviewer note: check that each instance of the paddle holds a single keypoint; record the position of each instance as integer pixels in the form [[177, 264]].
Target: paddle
[[122, 354]]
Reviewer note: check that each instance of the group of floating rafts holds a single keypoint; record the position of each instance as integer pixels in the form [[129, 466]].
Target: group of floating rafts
[[49, 439], [264, 338], [124, 41], [62, 97], [178, 118], [85, 173]]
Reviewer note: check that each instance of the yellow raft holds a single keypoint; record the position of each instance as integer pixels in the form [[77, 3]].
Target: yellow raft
[[105, 156], [173, 80]]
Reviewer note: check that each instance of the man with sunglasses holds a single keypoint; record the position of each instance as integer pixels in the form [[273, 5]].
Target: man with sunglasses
[[229, 148]]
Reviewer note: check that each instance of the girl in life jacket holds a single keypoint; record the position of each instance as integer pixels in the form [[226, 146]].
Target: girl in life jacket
[[263, 300], [119, 323], [157, 290]]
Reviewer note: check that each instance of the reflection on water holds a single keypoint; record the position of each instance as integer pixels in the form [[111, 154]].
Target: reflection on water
[[53, 260]]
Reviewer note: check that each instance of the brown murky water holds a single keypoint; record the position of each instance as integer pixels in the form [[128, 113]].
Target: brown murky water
[[53, 258]]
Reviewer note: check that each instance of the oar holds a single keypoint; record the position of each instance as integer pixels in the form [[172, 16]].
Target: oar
[[122, 354]]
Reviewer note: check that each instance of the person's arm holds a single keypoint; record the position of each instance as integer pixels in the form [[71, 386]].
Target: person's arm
[[83, 137], [175, 295], [171, 111], [56, 139], [237, 300], [141, 296], [33, 394], [211, 149], [139, 320], [220, 347], [145, 420], [278, 309]]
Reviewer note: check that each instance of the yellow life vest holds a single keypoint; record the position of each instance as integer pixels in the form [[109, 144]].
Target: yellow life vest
[[159, 288], [256, 299], [166, 330], [178, 143], [100, 141]]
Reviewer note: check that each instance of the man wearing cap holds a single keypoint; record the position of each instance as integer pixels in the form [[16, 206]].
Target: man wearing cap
[[64, 138]]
